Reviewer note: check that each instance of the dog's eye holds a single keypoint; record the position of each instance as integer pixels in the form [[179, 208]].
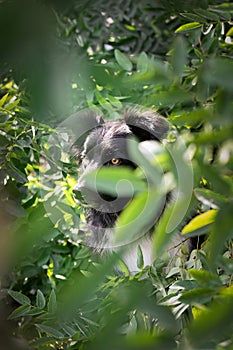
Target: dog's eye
[[115, 161]]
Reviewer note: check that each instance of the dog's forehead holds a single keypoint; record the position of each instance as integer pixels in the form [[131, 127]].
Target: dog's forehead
[[106, 133], [114, 129]]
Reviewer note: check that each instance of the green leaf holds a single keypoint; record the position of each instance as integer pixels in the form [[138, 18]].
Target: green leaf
[[115, 101], [210, 198], [161, 238], [170, 98], [192, 118], [193, 17], [49, 330], [123, 60], [157, 73], [69, 330], [205, 278], [140, 260], [122, 267], [200, 221], [197, 295], [116, 181], [40, 299], [16, 173], [139, 216], [19, 312], [178, 58], [19, 297], [219, 71], [222, 231], [207, 14], [212, 325], [105, 104], [188, 26], [3, 99], [52, 303], [142, 62], [34, 311]]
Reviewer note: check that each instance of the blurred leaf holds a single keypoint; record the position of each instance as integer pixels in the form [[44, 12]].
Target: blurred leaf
[[118, 181], [205, 278], [192, 118], [212, 325], [218, 71], [157, 73], [74, 295], [123, 60], [178, 58], [221, 231], [105, 104], [169, 98], [197, 296], [139, 216], [210, 198], [161, 238], [142, 62], [207, 14]]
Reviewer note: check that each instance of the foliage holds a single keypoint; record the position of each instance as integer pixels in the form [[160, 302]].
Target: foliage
[[174, 57]]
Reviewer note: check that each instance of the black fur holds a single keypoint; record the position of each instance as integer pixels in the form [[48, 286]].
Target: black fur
[[106, 141]]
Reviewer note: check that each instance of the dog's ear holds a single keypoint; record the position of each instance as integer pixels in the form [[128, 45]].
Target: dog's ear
[[146, 125], [85, 123], [82, 125]]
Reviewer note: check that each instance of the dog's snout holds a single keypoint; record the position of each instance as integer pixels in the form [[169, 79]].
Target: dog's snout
[[78, 189], [78, 186]]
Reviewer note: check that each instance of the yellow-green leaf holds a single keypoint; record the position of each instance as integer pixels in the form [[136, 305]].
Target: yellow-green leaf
[[200, 221], [188, 26]]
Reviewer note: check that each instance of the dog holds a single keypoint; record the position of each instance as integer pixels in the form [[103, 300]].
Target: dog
[[106, 145]]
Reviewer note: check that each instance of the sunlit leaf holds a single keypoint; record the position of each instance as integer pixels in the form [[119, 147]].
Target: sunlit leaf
[[200, 221], [187, 27], [3, 99]]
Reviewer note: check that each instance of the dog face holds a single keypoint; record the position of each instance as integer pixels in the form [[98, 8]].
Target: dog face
[[106, 145]]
